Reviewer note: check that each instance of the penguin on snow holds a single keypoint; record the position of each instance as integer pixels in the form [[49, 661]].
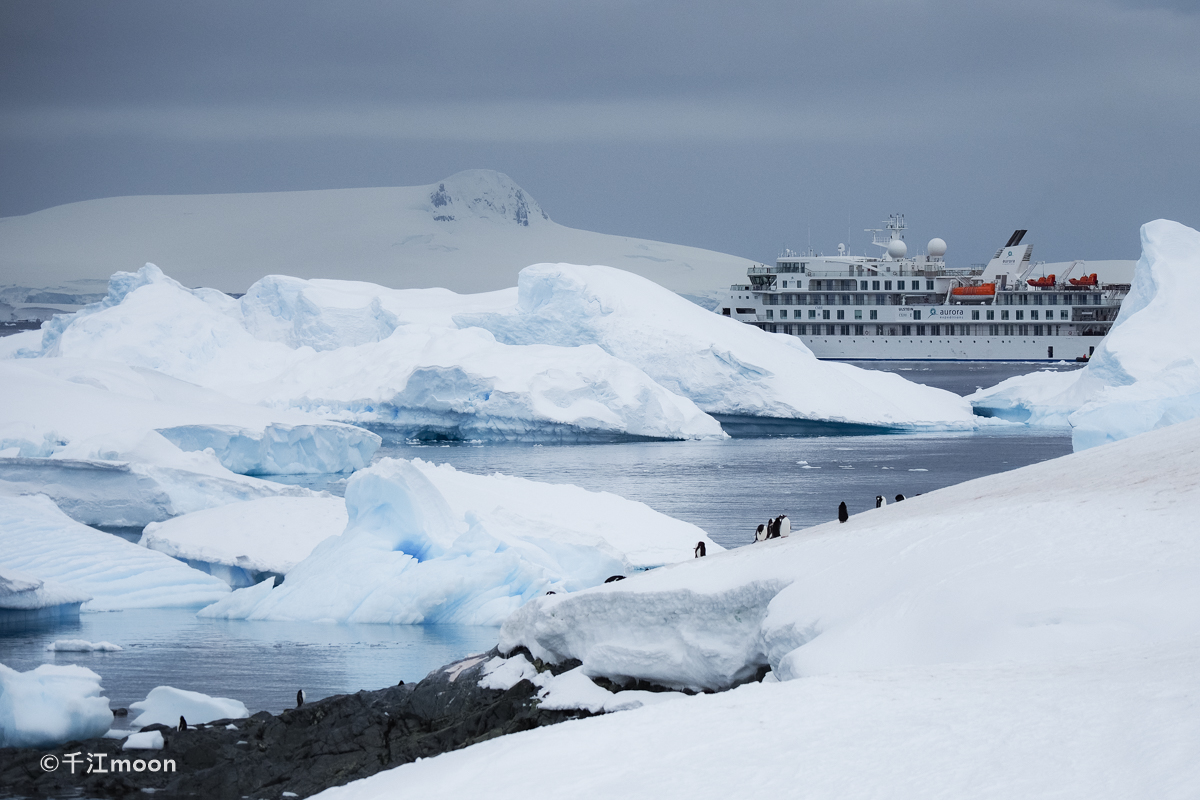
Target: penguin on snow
[[879, 501], [843, 513], [699, 550], [760, 535], [899, 497], [783, 526]]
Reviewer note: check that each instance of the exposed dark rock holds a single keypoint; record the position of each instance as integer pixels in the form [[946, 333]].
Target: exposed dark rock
[[325, 743]]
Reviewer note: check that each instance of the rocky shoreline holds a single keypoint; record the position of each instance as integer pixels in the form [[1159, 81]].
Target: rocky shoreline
[[301, 751]]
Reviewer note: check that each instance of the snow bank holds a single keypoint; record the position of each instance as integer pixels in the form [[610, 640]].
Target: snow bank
[[338, 350], [1107, 727], [271, 534], [569, 690], [1144, 375], [39, 539], [148, 740], [26, 600], [724, 366], [166, 704], [431, 544], [50, 705], [1097, 549]]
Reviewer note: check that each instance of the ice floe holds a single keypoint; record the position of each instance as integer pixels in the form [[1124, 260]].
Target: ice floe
[[50, 705], [166, 704]]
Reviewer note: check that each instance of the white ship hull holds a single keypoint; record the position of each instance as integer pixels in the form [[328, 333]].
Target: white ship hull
[[957, 348]]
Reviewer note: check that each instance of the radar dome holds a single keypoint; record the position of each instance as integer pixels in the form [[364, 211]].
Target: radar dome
[[897, 248], [936, 247]]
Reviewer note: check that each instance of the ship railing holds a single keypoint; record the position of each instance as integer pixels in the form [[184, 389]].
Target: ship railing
[[760, 270]]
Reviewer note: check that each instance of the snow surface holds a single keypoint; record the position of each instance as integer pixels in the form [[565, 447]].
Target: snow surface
[[271, 534], [471, 231], [1144, 375], [570, 690], [148, 740], [428, 543], [38, 539], [724, 366], [82, 646], [166, 704], [51, 704], [21, 591], [1027, 634]]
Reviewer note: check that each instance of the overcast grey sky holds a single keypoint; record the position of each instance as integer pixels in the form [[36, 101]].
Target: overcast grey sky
[[732, 126]]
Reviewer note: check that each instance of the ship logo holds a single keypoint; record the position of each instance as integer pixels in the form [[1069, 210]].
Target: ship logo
[[1010, 253]]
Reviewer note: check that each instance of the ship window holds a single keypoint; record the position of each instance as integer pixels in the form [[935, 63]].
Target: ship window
[[845, 299], [829, 330], [1051, 299], [785, 284], [879, 330], [841, 314], [725, 312], [929, 286], [783, 313], [1003, 315], [770, 314], [875, 285], [1022, 330], [874, 314], [1033, 314], [991, 315], [899, 284], [879, 300], [1037, 330], [993, 330], [745, 311], [1037, 299], [831, 299], [858, 313], [1020, 314], [862, 285], [845, 330], [906, 330], [858, 299], [1064, 314], [858, 330], [802, 330], [1095, 299], [892, 330], [974, 315], [887, 285], [825, 314], [812, 313], [920, 330]]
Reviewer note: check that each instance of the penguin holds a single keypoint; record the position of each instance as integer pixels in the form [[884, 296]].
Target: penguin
[[550, 593], [182, 723], [699, 550], [879, 501], [760, 535], [843, 514], [785, 526], [899, 497], [773, 529], [614, 578], [300, 697]]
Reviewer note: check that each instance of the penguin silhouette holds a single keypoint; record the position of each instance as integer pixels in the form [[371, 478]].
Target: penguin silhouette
[[300, 697], [843, 514], [879, 501], [182, 723], [899, 497], [699, 550], [760, 534]]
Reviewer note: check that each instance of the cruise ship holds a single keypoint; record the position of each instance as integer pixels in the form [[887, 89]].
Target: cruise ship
[[896, 307]]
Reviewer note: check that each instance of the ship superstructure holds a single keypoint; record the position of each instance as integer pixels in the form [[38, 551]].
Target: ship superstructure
[[895, 307]]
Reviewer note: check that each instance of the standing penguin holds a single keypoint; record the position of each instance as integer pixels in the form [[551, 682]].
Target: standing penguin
[[760, 534], [300, 697], [773, 528], [843, 514], [879, 501], [899, 497], [182, 723], [785, 525], [699, 550]]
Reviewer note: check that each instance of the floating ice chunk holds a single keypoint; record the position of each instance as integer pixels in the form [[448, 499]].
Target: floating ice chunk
[[432, 544], [145, 740], [82, 646], [271, 534], [50, 705], [1145, 374], [166, 704], [39, 539]]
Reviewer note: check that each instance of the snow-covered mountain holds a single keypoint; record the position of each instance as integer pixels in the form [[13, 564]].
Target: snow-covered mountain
[[471, 232]]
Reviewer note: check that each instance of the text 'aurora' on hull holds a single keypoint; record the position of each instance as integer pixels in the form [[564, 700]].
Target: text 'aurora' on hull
[[900, 308]]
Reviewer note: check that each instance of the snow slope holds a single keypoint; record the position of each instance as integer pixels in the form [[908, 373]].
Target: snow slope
[[724, 366], [1146, 372], [51, 704], [352, 354], [471, 232], [431, 544], [38, 539]]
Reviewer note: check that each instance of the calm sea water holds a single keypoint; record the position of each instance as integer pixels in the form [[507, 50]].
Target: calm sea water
[[725, 488]]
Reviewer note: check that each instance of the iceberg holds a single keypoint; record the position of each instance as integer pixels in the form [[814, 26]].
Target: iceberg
[[50, 705], [1144, 375], [38, 539], [727, 368], [1090, 551], [26, 600], [241, 542], [82, 646], [166, 704], [341, 353], [428, 543]]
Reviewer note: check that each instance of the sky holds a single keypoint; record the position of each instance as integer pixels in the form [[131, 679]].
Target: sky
[[739, 127]]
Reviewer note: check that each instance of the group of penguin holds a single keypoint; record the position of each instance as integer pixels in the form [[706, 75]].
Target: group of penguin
[[778, 528], [880, 502]]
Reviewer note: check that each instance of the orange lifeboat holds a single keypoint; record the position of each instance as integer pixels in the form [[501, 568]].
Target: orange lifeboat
[[985, 288], [1086, 280], [1043, 283]]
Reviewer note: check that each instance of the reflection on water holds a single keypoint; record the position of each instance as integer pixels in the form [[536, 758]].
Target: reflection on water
[[260, 663]]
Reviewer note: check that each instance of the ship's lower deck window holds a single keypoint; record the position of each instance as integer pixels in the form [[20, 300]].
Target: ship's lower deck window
[[1022, 330], [993, 330], [1037, 330], [920, 330], [935, 330], [845, 330], [892, 330], [829, 330], [879, 330], [906, 330], [858, 330]]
